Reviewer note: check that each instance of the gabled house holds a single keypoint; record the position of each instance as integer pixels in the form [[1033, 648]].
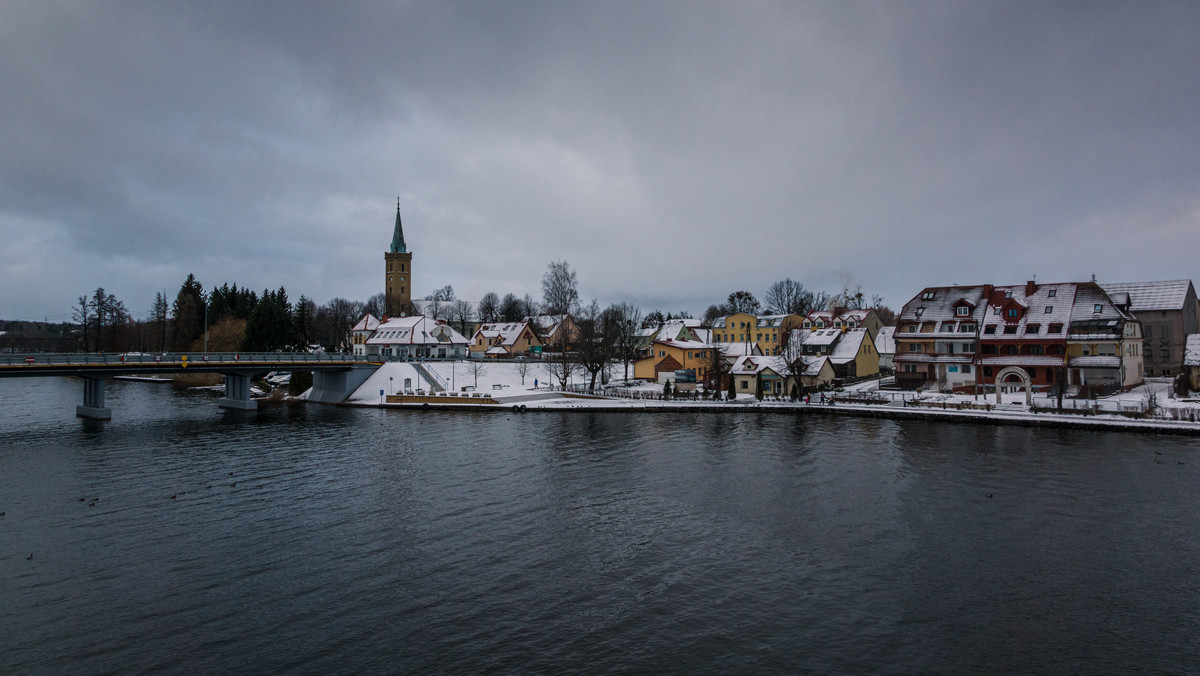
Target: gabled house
[[1168, 312], [854, 354], [361, 331], [1191, 361], [503, 340], [672, 329], [416, 337], [555, 330], [778, 376], [668, 356]]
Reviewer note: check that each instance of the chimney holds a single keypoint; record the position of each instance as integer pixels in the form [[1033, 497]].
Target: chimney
[[1030, 287]]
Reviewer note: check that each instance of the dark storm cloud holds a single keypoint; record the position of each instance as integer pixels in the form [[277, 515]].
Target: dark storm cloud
[[672, 152]]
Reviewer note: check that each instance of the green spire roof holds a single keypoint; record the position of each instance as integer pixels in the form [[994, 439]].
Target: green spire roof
[[398, 235]]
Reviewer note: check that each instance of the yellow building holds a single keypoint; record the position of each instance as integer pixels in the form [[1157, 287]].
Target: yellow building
[[503, 340], [766, 332], [668, 356]]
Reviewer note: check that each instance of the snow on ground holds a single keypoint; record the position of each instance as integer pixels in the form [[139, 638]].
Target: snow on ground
[[503, 381]]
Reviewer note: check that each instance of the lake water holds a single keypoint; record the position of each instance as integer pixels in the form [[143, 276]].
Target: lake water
[[181, 538]]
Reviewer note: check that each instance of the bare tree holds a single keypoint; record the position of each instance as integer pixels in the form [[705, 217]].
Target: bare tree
[[529, 306], [511, 308], [560, 289], [625, 319], [597, 333], [743, 301], [376, 305], [523, 369], [83, 316], [439, 301], [558, 368], [158, 315], [489, 307], [712, 312], [476, 367], [462, 313], [787, 297]]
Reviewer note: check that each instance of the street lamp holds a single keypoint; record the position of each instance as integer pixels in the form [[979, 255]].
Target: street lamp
[[205, 326]]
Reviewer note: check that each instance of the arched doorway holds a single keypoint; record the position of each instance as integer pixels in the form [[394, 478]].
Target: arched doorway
[[1022, 377]]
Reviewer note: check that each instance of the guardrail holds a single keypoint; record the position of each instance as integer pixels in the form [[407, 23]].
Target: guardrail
[[196, 358]]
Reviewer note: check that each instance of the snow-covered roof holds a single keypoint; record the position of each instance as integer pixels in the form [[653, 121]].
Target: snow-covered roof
[[1048, 304], [738, 349], [885, 342], [1191, 350], [847, 348], [815, 336], [416, 330], [757, 364], [1096, 361], [939, 304], [1168, 295], [770, 321], [684, 344], [508, 332], [368, 323]]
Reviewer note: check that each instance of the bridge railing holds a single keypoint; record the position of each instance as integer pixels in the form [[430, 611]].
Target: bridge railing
[[197, 358]]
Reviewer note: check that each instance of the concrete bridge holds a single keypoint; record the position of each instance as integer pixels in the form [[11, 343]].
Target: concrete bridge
[[335, 376]]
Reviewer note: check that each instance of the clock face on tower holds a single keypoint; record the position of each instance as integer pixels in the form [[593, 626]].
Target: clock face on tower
[[402, 278]]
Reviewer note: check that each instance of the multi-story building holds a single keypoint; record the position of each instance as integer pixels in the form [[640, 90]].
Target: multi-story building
[[1168, 311], [962, 337]]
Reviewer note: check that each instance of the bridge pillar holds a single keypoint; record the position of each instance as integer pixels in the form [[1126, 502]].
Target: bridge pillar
[[93, 400], [237, 393]]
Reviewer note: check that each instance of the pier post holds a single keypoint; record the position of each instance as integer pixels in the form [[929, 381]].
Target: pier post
[[237, 393], [93, 400]]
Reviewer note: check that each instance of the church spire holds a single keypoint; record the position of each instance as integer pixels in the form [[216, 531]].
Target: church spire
[[398, 235]]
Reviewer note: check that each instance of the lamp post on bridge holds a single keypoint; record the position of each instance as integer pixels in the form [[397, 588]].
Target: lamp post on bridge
[[206, 327]]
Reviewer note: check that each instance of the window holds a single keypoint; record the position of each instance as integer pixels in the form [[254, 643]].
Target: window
[[1148, 331], [987, 371], [1097, 308], [989, 330], [1055, 328], [1049, 309], [920, 311], [962, 311], [989, 349], [968, 348], [1010, 330], [928, 295], [745, 385], [1012, 312], [966, 328], [1164, 354], [966, 368], [996, 311], [1009, 349], [1033, 329], [1008, 294], [1032, 373]]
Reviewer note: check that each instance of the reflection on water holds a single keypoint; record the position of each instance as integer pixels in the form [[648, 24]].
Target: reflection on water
[[183, 538]]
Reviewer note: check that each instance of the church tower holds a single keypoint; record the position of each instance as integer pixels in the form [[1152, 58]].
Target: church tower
[[398, 289]]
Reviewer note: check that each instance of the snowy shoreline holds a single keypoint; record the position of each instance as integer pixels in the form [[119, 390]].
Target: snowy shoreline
[[503, 384]]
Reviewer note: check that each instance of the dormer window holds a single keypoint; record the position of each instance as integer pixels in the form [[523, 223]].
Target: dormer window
[[1052, 293], [920, 311], [1097, 309], [996, 312], [1008, 294], [1012, 313], [1033, 329], [962, 310]]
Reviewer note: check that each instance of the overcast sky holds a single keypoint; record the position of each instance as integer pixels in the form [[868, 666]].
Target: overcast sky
[[671, 152]]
